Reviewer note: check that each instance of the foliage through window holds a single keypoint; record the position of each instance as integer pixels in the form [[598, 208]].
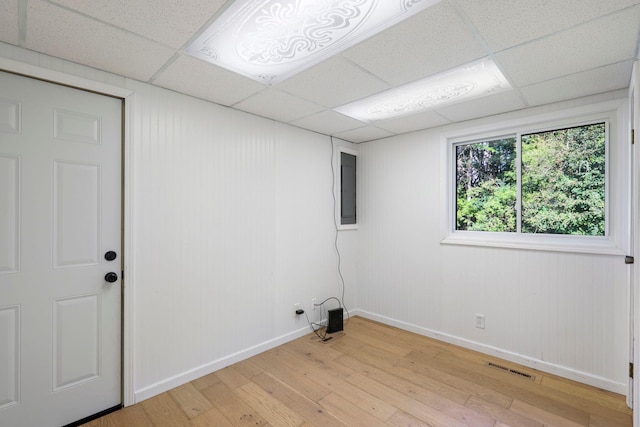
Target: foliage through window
[[561, 183], [486, 185]]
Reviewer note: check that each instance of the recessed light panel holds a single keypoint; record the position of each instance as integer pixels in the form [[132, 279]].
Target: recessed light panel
[[471, 81], [269, 40]]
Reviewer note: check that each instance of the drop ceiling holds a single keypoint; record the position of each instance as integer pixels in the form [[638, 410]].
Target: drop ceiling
[[549, 51]]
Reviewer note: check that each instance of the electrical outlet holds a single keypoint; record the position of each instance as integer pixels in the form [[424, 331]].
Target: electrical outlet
[[313, 303], [296, 307], [480, 321]]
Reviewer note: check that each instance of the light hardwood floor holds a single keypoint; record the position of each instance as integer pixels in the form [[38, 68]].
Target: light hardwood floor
[[375, 375]]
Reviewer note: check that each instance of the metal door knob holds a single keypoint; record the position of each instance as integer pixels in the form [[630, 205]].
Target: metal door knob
[[111, 277]]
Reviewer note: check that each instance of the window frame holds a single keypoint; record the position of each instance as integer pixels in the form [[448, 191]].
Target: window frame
[[613, 242]]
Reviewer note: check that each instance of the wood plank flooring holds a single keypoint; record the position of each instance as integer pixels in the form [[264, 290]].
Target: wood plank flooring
[[375, 375]]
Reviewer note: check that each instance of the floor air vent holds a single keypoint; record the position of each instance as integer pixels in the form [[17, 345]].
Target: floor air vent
[[511, 371]]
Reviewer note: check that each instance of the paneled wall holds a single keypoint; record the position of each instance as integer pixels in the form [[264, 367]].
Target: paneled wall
[[233, 224], [561, 312]]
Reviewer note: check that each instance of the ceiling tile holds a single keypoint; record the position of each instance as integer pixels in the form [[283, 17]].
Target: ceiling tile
[[490, 105], [206, 81], [327, 122], [504, 24], [364, 134], [9, 21], [278, 105], [333, 82], [590, 82], [424, 120], [59, 32], [574, 50], [549, 50], [430, 42], [171, 22]]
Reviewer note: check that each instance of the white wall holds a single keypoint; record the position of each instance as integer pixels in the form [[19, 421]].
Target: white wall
[[561, 312], [232, 225]]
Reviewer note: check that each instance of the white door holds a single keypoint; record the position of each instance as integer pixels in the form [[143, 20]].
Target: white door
[[631, 251], [635, 218], [60, 212]]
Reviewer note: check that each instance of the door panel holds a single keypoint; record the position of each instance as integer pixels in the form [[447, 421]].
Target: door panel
[[73, 126], [60, 211], [9, 352], [9, 213], [76, 230], [76, 341], [9, 116]]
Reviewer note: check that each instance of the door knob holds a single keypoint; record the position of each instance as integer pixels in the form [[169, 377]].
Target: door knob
[[111, 277]]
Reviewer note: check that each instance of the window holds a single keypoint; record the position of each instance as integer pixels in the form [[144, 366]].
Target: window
[[563, 181], [486, 185], [560, 180], [556, 180]]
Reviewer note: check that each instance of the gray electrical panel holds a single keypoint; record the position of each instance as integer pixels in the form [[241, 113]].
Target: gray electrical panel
[[347, 189]]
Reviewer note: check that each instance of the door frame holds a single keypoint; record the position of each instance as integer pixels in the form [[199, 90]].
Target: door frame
[[634, 88], [127, 97]]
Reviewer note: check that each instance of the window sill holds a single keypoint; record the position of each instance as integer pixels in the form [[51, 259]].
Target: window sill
[[574, 244]]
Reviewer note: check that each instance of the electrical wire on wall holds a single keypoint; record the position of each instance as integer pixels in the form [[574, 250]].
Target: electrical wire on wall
[[318, 327], [335, 225]]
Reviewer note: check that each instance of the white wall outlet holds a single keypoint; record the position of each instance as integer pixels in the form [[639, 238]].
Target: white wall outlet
[[313, 303], [480, 321]]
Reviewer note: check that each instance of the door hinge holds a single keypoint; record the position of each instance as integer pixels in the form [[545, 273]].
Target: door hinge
[[630, 370], [629, 259]]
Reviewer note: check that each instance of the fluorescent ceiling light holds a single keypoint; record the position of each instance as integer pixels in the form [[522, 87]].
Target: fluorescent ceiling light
[[269, 41], [470, 81]]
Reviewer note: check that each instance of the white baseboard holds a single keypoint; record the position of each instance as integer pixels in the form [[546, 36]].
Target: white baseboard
[[562, 371], [200, 371]]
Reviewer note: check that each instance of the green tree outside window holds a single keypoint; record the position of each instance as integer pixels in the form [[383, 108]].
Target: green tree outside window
[[562, 183]]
